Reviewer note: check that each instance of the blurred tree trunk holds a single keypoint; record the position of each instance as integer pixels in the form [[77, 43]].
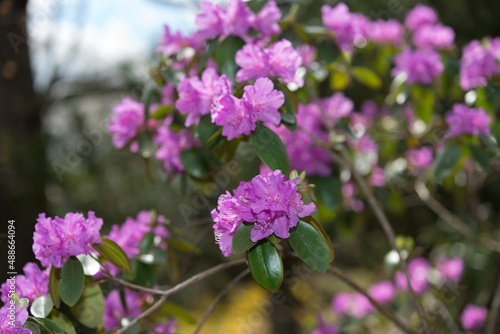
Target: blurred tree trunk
[[22, 149]]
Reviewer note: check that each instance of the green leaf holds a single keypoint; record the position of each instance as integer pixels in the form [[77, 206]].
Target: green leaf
[[339, 80], [367, 77], [41, 306], [48, 325], [328, 190], [209, 50], [241, 239], [446, 161], [265, 265], [147, 242], [144, 274], [72, 280], [256, 5], [54, 277], [63, 321], [206, 130], [490, 143], [314, 223], [309, 245], [182, 245], [481, 157], [423, 99], [162, 112], [270, 149], [343, 126], [178, 312], [33, 326], [114, 254], [225, 55], [193, 162], [90, 307]]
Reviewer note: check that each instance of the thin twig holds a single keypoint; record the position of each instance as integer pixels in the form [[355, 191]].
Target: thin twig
[[382, 309], [452, 219], [217, 299]]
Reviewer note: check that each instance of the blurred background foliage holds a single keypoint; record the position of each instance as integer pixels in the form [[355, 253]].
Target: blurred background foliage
[[56, 156]]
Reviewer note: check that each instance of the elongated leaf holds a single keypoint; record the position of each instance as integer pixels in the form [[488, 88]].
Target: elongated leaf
[[144, 274], [72, 280], [309, 245], [423, 99], [41, 306], [480, 156], [493, 146], [147, 242], [225, 55], [63, 321], [329, 190], [331, 251], [446, 161], [366, 76], [33, 326], [178, 312], [182, 245], [48, 325], [339, 80], [207, 129], [114, 254], [90, 307], [209, 50], [193, 162], [256, 5], [54, 277], [265, 265], [241, 239], [270, 149]]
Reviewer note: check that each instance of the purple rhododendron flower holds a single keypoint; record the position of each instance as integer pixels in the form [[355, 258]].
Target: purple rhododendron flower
[[307, 53], [167, 94], [418, 270], [325, 329], [469, 121], [377, 177], [421, 66], [451, 269], [280, 59], [20, 316], [473, 317], [236, 19], [390, 32], [420, 16], [420, 157], [126, 123], [336, 107], [209, 21], [196, 96], [168, 327], [239, 116], [348, 27], [383, 292], [341, 303], [434, 36], [272, 204], [477, 64], [172, 43], [114, 310], [57, 239], [33, 284], [227, 219], [266, 21], [172, 144]]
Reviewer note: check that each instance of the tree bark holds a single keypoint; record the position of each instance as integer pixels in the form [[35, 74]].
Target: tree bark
[[22, 148]]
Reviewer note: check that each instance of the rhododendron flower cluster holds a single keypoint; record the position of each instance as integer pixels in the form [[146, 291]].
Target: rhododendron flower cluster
[[473, 317], [420, 66], [56, 239], [260, 102], [12, 319], [479, 62], [420, 157], [115, 311], [237, 19], [33, 284], [269, 202], [173, 43], [467, 121], [280, 60], [126, 123]]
